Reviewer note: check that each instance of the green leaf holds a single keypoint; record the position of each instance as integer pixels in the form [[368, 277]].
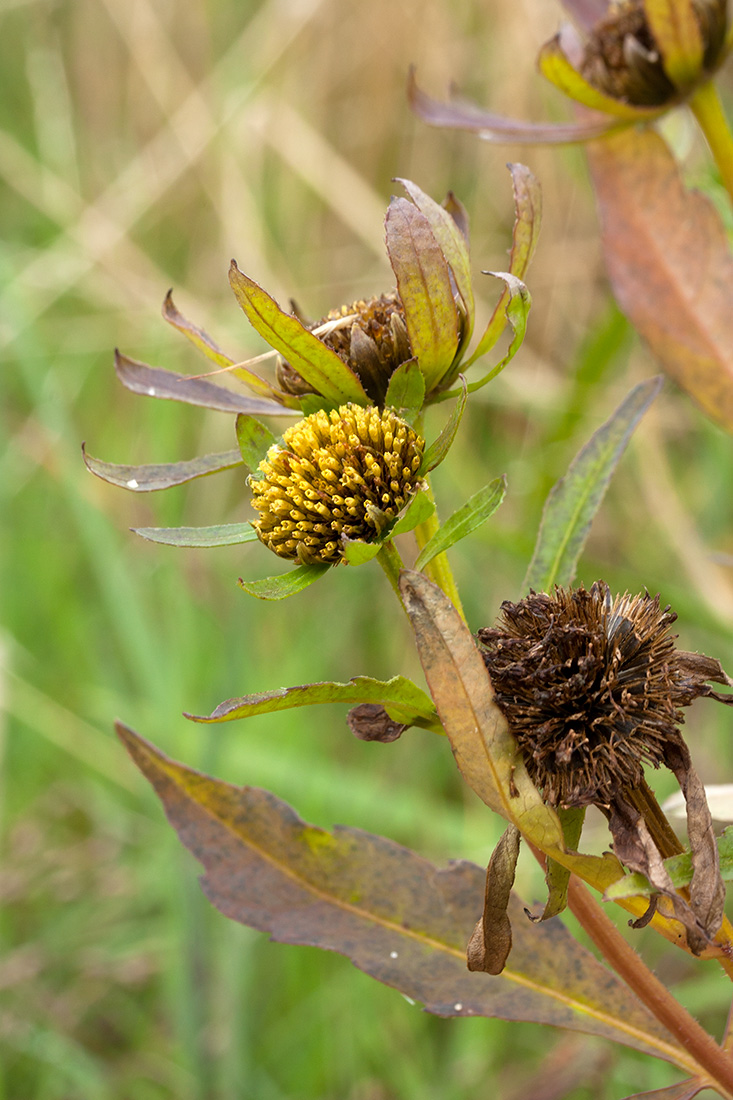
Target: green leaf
[[395, 915], [150, 479], [254, 438], [466, 519], [418, 510], [575, 499], [153, 382], [527, 218], [287, 584], [557, 877], [400, 695], [318, 364], [437, 450], [358, 552], [424, 285], [224, 534], [680, 871], [406, 391], [452, 244], [196, 335], [512, 308]]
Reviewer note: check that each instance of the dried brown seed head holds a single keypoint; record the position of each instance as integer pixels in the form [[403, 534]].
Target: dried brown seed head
[[343, 474]]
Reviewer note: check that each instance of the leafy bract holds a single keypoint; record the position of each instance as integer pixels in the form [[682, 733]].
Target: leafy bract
[[573, 502], [151, 478], [358, 552], [464, 520], [512, 308], [153, 382], [675, 29], [400, 697], [420, 508], [318, 364], [670, 265], [221, 534], [287, 584], [254, 439], [395, 915], [424, 285], [406, 390]]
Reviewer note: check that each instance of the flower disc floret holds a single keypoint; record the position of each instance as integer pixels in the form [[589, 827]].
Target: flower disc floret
[[344, 474]]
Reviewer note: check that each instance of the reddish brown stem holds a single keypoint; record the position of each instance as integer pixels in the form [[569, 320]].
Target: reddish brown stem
[[714, 1061]]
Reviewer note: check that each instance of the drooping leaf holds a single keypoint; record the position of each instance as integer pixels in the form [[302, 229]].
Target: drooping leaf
[[358, 552], [420, 508], [399, 695], [485, 750], [670, 265], [150, 479], [527, 218], [513, 309], [461, 114], [204, 343], [452, 243], [254, 439], [553, 63], [464, 520], [222, 534], [153, 382], [423, 282], [491, 940], [676, 32], [395, 915], [406, 390], [318, 364], [439, 448], [557, 877], [684, 1090], [573, 502], [287, 584]]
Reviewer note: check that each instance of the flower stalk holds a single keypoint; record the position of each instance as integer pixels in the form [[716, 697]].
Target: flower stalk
[[708, 111]]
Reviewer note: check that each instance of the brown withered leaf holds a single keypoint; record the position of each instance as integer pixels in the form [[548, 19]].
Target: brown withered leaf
[[395, 915], [370, 722], [491, 939], [669, 263]]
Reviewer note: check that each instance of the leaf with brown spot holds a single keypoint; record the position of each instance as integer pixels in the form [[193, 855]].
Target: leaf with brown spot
[[669, 263], [395, 915]]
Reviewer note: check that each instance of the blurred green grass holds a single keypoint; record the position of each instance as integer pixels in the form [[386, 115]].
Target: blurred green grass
[[141, 146]]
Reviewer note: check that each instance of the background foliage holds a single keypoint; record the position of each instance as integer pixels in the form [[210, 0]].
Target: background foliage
[[142, 145]]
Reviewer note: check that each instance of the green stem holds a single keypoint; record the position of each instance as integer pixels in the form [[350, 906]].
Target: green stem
[[438, 570], [706, 106], [391, 562]]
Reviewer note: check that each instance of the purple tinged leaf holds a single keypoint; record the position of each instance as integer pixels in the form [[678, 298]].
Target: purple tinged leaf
[[586, 13], [452, 244], [287, 584], [461, 114], [396, 916], [424, 285], [153, 382], [527, 218], [254, 438], [318, 364], [399, 695], [513, 308], [222, 534], [196, 335], [150, 479], [683, 1090]]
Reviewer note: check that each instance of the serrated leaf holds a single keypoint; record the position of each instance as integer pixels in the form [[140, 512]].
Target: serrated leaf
[[152, 478], [395, 915], [424, 285], [573, 502], [399, 694], [318, 364], [438, 449], [406, 391], [153, 382], [464, 520], [223, 534], [670, 265], [287, 584], [254, 439], [420, 508], [452, 244], [461, 114]]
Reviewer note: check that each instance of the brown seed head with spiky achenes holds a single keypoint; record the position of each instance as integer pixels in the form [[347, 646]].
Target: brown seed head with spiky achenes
[[343, 474], [370, 336], [592, 688], [622, 59]]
